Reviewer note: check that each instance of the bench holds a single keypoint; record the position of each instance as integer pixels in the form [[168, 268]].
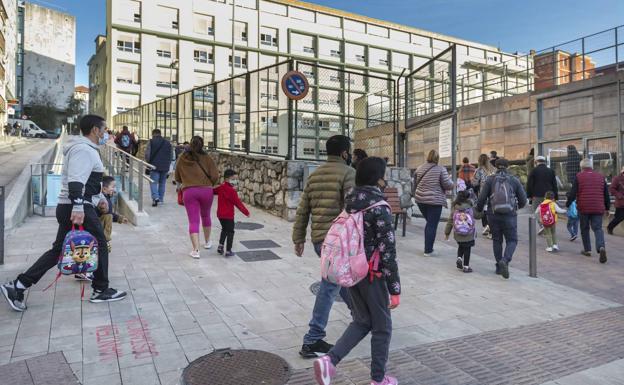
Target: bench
[[391, 195]]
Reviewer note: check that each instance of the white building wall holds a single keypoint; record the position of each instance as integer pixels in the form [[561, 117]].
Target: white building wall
[[297, 25]]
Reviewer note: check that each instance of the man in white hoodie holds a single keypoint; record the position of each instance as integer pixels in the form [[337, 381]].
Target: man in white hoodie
[[81, 185]]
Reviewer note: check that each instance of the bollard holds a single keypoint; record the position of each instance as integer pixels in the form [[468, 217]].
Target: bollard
[[532, 247]]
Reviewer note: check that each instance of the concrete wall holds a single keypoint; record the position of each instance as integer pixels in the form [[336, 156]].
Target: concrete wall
[[49, 54]]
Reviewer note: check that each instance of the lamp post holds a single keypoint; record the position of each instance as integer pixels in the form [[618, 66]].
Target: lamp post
[[172, 66], [232, 128]]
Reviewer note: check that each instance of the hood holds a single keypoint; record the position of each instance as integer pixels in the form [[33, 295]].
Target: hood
[[463, 206], [75, 140], [187, 158], [362, 197]]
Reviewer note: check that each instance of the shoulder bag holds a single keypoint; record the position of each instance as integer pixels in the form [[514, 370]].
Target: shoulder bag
[[417, 182]]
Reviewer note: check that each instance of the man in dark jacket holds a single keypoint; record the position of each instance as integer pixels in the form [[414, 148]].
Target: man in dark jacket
[[592, 201], [158, 153], [322, 201], [125, 141], [617, 190], [502, 224], [541, 180]]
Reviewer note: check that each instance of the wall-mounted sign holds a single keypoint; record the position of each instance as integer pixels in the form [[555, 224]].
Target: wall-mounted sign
[[445, 139], [295, 85]]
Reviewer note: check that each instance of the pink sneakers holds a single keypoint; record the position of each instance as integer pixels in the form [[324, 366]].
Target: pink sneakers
[[324, 370], [386, 381]]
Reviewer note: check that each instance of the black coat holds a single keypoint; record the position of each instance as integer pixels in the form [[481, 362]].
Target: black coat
[[541, 180], [158, 153]]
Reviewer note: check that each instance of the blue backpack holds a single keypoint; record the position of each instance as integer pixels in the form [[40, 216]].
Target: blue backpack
[[79, 253], [125, 141], [573, 211]]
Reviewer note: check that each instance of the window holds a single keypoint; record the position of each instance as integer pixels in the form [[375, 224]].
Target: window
[[167, 78], [201, 114], [383, 62], [308, 49], [137, 17], [269, 149], [334, 53], [239, 62], [334, 78], [163, 53], [167, 17], [129, 46], [308, 73], [266, 39], [237, 117], [203, 57], [128, 74], [166, 49], [174, 24], [272, 121], [309, 151], [360, 58], [203, 24], [324, 124], [240, 31]]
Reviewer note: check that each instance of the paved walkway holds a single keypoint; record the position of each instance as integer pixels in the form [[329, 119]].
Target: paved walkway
[[179, 308], [17, 155]]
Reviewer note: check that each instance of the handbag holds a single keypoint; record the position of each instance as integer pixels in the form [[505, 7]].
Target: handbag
[[181, 197]]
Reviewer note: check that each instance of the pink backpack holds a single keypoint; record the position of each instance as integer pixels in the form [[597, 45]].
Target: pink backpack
[[343, 259]]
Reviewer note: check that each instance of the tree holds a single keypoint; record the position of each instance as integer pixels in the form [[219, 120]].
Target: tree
[[75, 107], [42, 110]]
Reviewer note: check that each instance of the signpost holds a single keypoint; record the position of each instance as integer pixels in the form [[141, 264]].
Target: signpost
[[295, 85], [445, 141]]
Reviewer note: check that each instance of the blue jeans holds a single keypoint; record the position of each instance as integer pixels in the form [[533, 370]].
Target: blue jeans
[[158, 185], [573, 224], [503, 226], [322, 306], [595, 222], [431, 214]]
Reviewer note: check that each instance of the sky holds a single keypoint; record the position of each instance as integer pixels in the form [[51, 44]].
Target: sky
[[512, 25]]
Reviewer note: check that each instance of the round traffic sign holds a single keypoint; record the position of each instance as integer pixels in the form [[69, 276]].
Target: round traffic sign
[[295, 85]]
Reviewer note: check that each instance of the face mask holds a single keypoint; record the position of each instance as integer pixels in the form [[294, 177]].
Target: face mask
[[102, 141], [234, 182]]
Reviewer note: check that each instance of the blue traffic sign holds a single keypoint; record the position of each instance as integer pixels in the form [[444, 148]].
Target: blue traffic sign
[[295, 85]]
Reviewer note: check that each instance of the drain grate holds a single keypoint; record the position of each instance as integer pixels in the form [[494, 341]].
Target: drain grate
[[314, 288], [248, 226], [237, 367], [260, 244], [257, 255]]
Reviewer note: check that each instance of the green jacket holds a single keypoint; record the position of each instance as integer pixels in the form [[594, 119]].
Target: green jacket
[[323, 199]]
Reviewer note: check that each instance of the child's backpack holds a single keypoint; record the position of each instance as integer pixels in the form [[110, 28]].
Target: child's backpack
[[343, 258], [125, 141], [546, 214], [461, 185], [503, 197], [573, 211], [79, 253], [463, 222]]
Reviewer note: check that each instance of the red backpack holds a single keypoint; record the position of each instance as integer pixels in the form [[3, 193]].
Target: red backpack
[[546, 214]]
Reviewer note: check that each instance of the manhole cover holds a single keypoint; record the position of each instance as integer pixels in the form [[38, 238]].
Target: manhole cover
[[259, 244], [237, 367], [248, 226], [257, 255], [314, 288]]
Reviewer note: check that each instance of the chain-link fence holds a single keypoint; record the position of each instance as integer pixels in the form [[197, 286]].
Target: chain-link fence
[[249, 113]]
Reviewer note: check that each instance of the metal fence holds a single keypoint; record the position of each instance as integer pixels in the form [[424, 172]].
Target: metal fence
[[249, 113], [128, 171]]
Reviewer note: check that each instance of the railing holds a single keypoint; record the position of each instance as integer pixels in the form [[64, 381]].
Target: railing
[[2, 192], [128, 170], [45, 182]]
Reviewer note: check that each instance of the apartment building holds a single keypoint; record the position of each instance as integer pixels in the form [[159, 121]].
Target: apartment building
[[97, 79], [157, 48], [561, 67], [8, 47]]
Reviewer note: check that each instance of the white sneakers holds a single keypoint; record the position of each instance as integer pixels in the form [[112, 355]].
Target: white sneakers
[[194, 254], [208, 245], [553, 248], [549, 249]]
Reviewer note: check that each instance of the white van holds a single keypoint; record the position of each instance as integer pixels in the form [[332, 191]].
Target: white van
[[31, 128]]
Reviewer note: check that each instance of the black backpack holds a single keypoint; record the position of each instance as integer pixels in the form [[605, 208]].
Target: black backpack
[[503, 198]]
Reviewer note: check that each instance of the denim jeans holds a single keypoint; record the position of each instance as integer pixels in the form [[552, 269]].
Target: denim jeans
[[431, 214], [322, 306], [595, 222], [503, 227], [573, 225], [158, 185]]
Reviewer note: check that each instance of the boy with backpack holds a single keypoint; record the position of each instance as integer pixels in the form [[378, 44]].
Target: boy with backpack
[[368, 268], [462, 223], [228, 199], [573, 221], [547, 214]]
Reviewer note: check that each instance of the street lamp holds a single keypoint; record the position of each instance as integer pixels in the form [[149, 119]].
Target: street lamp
[[232, 129], [172, 66]]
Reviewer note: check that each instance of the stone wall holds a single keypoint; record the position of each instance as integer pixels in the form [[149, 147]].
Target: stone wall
[[269, 184]]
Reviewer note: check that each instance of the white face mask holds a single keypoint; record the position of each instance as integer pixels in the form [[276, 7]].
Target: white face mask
[[234, 182]]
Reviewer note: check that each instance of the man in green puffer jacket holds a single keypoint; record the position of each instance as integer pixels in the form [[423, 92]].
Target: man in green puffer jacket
[[323, 198]]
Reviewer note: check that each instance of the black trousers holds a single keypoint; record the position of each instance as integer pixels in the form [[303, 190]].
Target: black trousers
[[463, 251], [50, 258], [619, 217], [227, 232]]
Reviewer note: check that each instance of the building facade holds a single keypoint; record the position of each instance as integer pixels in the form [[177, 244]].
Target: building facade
[[97, 79], [48, 56], [159, 48], [8, 47], [560, 67]]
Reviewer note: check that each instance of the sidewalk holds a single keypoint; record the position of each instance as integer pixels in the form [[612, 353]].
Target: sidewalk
[[179, 308]]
